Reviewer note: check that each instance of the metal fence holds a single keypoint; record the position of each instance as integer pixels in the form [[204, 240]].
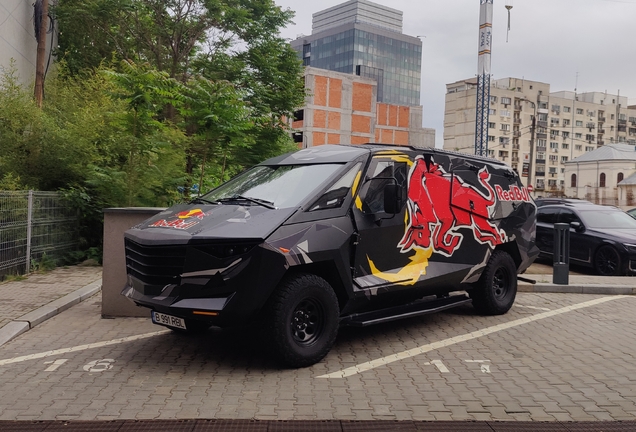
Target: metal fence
[[33, 224]]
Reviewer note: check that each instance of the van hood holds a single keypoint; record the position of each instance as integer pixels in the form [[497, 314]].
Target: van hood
[[185, 222]]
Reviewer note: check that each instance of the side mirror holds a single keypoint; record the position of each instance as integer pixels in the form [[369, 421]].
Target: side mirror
[[578, 226], [393, 201]]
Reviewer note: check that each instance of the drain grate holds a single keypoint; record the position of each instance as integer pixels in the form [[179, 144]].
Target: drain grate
[[231, 426], [306, 426], [158, 426], [23, 426], [378, 425]]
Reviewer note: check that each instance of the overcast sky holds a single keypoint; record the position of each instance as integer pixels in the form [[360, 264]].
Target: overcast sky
[[549, 41]]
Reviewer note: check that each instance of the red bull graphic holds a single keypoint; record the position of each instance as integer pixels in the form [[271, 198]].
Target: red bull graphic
[[184, 220], [196, 213], [440, 204], [514, 193]]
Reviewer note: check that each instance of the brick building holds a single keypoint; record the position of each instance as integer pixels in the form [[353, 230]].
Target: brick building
[[342, 109]]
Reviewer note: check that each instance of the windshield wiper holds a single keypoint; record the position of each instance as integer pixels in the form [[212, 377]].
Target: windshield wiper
[[199, 200], [264, 203]]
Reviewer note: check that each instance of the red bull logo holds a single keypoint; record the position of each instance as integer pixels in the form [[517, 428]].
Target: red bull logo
[[441, 204], [196, 213], [514, 193], [184, 220]]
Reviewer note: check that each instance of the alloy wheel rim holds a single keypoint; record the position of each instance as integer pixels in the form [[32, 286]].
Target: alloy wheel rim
[[307, 322]]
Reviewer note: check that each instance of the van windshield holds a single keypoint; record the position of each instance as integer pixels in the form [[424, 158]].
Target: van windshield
[[282, 186]]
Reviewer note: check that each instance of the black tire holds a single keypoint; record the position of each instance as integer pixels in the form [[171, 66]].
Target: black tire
[[496, 289], [607, 261], [302, 319]]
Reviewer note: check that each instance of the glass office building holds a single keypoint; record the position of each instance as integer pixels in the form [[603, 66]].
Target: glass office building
[[363, 38]]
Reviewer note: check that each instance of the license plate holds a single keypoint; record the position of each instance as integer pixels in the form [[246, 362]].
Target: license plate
[[168, 320]]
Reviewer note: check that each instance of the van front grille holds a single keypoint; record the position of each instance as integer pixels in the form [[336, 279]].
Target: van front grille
[[155, 265]]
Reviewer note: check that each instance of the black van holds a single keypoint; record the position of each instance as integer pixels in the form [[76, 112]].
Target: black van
[[336, 235]]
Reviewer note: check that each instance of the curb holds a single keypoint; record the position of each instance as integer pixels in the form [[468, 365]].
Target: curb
[[576, 289], [41, 314]]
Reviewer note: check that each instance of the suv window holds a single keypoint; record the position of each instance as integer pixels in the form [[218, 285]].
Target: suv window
[[381, 173], [568, 216], [336, 194], [547, 215]]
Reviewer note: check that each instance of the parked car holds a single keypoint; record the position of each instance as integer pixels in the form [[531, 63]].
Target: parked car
[[540, 202], [601, 237], [336, 235]]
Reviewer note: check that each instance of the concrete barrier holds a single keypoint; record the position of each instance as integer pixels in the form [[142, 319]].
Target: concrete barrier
[[116, 222]]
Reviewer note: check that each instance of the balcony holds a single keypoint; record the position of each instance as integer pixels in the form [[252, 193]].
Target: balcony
[[515, 146], [601, 131], [517, 121], [543, 124], [601, 119], [540, 161], [542, 136], [539, 173], [516, 134]]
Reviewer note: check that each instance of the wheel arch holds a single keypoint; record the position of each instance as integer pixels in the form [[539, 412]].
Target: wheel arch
[[512, 249], [329, 272]]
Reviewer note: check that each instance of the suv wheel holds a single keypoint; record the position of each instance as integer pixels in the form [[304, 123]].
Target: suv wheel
[[496, 289], [607, 262], [303, 319]]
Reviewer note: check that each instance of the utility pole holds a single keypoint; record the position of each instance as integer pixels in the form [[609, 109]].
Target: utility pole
[[483, 77], [41, 52]]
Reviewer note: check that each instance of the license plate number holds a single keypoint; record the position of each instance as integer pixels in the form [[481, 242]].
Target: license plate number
[[168, 320]]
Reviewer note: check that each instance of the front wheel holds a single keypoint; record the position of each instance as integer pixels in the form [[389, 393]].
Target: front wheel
[[607, 262], [303, 318], [496, 289]]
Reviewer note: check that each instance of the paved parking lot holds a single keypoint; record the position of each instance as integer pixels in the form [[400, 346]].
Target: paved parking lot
[[553, 357]]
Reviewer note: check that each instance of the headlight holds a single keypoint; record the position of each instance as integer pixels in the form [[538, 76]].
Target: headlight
[[630, 248]]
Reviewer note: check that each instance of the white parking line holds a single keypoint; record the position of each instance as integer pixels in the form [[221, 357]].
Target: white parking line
[[462, 338], [81, 347], [532, 307]]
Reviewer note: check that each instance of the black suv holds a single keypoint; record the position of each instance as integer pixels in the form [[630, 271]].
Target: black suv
[[601, 237]]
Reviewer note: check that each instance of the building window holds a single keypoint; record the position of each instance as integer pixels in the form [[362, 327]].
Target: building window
[[505, 127], [491, 125], [566, 122], [573, 180], [578, 147], [492, 111], [601, 180], [566, 109], [554, 145], [491, 138], [505, 100], [565, 146], [619, 178], [564, 158], [579, 123], [579, 110]]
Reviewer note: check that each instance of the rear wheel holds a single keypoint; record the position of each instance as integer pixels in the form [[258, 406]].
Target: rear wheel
[[303, 318], [607, 261], [496, 289]]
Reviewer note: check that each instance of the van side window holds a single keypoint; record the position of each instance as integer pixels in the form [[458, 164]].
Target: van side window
[[336, 194], [547, 215], [382, 173]]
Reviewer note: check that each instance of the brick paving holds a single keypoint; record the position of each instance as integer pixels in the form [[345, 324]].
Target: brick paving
[[577, 366], [18, 298]]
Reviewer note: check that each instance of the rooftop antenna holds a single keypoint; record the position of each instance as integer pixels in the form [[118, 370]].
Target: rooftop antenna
[[509, 7]]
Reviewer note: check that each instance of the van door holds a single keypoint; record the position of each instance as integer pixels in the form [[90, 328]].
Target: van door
[[378, 257]]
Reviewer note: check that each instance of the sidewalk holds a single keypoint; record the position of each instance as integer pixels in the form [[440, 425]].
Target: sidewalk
[[27, 303]]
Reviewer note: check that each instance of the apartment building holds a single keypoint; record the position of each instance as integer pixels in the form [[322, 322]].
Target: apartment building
[[536, 131]]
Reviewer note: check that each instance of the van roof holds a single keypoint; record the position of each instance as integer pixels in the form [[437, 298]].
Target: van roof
[[342, 153]]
